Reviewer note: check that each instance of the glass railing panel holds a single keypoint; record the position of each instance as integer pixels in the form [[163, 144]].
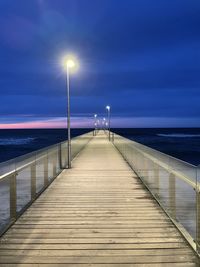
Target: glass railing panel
[[6, 167], [58, 159], [4, 203], [185, 209], [162, 186], [64, 155], [78, 143], [185, 170], [184, 175], [23, 187], [40, 170], [50, 164]]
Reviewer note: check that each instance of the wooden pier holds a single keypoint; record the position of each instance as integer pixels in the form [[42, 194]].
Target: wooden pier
[[96, 214]]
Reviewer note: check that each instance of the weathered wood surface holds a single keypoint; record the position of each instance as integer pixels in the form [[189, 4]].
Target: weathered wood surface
[[96, 214]]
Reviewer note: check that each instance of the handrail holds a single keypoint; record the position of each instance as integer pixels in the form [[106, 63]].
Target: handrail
[[168, 168], [20, 168], [154, 150], [165, 166]]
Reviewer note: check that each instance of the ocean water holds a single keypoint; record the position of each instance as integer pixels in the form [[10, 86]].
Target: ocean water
[[14, 143], [182, 143]]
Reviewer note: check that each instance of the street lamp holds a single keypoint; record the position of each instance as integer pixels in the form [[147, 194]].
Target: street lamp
[[104, 122], [98, 124], [70, 64], [95, 123], [108, 108]]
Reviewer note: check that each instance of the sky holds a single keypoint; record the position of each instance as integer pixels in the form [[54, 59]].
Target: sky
[[140, 57]]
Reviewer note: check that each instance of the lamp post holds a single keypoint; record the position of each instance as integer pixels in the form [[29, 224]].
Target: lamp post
[[108, 108], [104, 122], [69, 64], [95, 123], [98, 124]]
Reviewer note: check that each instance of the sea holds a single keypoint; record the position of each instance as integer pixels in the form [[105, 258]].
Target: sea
[[182, 143]]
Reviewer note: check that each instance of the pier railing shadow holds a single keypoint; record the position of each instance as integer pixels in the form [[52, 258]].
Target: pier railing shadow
[[24, 178], [175, 184]]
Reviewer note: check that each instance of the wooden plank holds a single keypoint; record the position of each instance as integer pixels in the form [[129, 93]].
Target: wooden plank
[[97, 259], [130, 231], [65, 235], [185, 264], [100, 252], [98, 246], [41, 240], [92, 220], [90, 226]]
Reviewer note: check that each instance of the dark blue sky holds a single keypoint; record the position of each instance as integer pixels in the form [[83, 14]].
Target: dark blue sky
[[142, 57]]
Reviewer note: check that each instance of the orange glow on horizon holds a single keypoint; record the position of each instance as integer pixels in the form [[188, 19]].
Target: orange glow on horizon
[[31, 125], [59, 123]]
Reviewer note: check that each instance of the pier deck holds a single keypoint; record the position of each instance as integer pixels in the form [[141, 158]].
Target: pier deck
[[96, 214]]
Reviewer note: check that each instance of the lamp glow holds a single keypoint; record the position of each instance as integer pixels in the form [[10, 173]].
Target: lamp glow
[[69, 62], [95, 124], [108, 108]]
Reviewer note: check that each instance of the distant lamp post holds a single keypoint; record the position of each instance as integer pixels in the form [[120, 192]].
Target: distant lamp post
[[70, 64], [108, 109], [95, 123], [98, 123], [104, 123]]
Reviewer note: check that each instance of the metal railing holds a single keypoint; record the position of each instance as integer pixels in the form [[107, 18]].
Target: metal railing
[[24, 178], [172, 182]]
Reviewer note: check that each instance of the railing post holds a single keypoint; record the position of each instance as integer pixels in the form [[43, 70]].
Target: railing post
[[60, 156], [46, 180], [33, 180], [13, 197], [172, 195], [113, 137], [64, 156]]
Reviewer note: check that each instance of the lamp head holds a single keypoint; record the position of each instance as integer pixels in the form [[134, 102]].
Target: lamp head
[[108, 107], [69, 62], [95, 115]]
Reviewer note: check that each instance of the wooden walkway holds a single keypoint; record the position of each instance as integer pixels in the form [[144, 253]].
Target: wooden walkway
[[96, 214]]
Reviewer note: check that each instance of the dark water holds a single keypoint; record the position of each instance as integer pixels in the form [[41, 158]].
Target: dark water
[[180, 143], [15, 143]]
